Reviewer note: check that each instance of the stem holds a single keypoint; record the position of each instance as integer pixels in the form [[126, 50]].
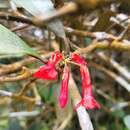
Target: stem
[[67, 46], [39, 58]]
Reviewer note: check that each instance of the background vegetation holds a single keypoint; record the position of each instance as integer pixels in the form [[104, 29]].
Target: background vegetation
[[30, 30]]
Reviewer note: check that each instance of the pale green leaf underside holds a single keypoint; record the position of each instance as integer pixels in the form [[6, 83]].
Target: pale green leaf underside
[[10, 43]]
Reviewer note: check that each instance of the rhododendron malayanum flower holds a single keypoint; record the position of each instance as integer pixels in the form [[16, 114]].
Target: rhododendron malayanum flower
[[88, 100], [48, 72]]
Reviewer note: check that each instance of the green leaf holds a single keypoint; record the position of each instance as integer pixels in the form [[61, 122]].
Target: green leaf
[[127, 121], [42, 8], [11, 44]]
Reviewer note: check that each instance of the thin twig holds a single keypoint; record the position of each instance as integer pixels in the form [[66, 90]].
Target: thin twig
[[26, 73], [5, 69], [65, 122], [26, 87], [122, 70], [115, 45], [116, 77]]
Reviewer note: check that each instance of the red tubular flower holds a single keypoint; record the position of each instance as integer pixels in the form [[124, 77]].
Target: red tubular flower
[[48, 71], [88, 100], [63, 97]]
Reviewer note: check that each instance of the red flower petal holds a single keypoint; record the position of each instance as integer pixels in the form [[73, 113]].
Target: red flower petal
[[78, 59], [47, 72], [89, 103], [86, 80], [55, 57], [63, 97]]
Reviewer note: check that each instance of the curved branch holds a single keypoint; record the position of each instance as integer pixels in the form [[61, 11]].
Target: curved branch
[[115, 45], [26, 73]]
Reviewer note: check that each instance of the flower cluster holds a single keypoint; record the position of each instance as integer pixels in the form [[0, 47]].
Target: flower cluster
[[49, 72]]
